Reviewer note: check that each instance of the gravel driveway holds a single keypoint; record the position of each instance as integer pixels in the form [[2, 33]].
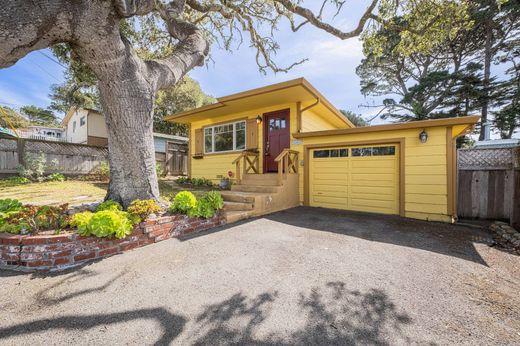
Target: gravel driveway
[[303, 276]]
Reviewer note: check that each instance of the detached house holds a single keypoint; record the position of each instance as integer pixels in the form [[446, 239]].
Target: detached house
[[87, 126], [287, 145]]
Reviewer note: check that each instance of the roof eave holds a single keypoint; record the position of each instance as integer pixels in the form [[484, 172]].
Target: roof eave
[[468, 120]]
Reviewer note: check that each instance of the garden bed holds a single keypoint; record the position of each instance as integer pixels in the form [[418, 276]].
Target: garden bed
[[57, 252]]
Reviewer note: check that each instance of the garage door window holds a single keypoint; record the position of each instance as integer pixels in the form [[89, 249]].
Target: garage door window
[[374, 151], [330, 153]]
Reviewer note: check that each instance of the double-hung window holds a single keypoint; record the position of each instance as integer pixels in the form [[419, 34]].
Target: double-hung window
[[226, 137]]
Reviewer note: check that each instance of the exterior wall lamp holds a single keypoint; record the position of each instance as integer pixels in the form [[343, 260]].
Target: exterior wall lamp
[[258, 119], [423, 136]]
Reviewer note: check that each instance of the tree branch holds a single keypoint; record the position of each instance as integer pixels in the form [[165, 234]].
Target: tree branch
[[317, 22], [190, 51]]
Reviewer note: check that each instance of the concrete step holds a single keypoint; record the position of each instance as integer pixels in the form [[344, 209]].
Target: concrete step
[[256, 188], [236, 196], [260, 179], [237, 206], [234, 216]]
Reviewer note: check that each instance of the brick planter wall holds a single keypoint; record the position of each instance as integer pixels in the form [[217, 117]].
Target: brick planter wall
[[52, 252]]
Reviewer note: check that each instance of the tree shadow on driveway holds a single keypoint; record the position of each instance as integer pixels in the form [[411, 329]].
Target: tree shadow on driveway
[[171, 324], [331, 315], [442, 238]]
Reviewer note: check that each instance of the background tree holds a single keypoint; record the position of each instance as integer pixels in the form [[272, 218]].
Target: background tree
[[95, 30], [354, 118], [507, 92], [183, 96], [15, 119], [40, 116], [450, 78]]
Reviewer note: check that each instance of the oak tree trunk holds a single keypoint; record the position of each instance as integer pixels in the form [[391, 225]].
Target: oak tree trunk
[[128, 111]]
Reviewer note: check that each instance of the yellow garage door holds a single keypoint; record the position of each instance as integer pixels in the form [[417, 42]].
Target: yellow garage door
[[361, 178]]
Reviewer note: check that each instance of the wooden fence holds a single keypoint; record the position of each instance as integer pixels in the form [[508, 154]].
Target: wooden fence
[[489, 184], [78, 159], [72, 159]]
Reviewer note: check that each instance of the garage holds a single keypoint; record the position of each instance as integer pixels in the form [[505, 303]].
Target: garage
[[361, 178]]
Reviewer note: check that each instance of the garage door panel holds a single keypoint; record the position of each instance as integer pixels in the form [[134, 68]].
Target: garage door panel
[[372, 203], [371, 189], [328, 187], [372, 197], [372, 163], [340, 164], [367, 183], [340, 201], [372, 177]]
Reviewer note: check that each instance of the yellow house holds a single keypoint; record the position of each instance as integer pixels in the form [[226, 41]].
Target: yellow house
[[286, 145]]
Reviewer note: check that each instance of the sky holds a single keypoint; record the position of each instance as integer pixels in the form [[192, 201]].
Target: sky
[[330, 68]]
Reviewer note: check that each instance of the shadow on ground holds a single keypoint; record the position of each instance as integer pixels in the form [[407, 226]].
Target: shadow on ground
[[328, 315], [443, 238], [438, 237], [171, 324], [332, 315]]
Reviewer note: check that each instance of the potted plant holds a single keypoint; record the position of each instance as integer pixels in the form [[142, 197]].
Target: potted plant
[[225, 182]]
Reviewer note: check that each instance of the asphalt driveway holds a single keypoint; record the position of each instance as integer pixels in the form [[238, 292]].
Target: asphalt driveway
[[303, 276]]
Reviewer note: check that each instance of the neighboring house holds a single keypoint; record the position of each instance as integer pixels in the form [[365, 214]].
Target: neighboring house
[[44, 133], [287, 145], [87, 126]]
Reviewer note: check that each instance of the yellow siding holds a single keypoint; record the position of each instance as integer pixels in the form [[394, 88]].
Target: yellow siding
[[311, 121], [425, 172], [212, 166]]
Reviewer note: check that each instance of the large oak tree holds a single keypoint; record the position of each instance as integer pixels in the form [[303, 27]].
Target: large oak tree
[[128, 84]]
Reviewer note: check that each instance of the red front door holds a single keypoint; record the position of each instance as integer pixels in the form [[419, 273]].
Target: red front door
[[277, 137]]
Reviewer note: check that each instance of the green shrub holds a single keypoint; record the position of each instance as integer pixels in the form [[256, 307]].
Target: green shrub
[[197, 181], [11, 228], [8, 208], [216, 200], [81, 222], [109, 205], [34, 219], [35, 166], [100, 172], [143, 208], [159, 169], [203, 208], [14, 181], [55, 177], [183, 180], [104, 223], [183, 202]]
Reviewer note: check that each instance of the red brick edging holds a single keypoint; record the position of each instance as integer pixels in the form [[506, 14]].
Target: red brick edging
[[44, 252]]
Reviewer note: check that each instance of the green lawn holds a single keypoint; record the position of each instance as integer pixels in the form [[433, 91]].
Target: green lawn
[[77, 192]]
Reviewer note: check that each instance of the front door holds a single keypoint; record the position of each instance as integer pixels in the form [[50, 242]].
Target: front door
[[277, 137]]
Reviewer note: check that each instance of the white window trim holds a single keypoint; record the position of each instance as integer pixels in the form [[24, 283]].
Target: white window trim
[[234, 137]]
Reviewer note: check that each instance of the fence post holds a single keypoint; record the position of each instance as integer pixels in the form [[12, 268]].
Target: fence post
[[20, 147]]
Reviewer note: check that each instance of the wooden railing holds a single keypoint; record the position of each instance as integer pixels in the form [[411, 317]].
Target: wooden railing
[[250, 164], [287, 163]]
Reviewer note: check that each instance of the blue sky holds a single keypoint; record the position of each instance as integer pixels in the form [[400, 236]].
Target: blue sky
[[331, 68]]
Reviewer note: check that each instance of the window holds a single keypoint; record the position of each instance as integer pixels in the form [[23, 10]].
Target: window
[[374, 151], [277, 124], [74, 126], [82, 121], [383, 151], [330, 153], [227, 137]]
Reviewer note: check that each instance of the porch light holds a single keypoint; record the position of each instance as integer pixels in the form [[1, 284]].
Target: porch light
[[423, 136], [258, 119]]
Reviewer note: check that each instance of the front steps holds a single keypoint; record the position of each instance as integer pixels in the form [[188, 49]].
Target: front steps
[[260, 194]]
